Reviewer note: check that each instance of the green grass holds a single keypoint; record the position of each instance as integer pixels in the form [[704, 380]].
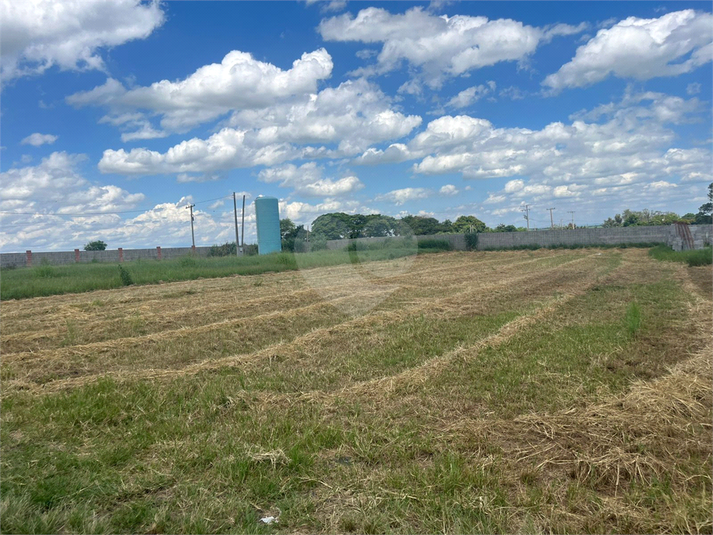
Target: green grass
[[47, 280], [214, 451], [698, 257], [532, 247]]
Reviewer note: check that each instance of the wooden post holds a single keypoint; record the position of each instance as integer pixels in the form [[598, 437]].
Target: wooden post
[[158, 252], [76, 256], [121, 254], [29, 258]]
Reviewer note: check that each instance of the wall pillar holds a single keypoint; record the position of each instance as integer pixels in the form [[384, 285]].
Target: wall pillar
[[158, 252], [121, 254], [193, 250], [29, 258], [76, 255]]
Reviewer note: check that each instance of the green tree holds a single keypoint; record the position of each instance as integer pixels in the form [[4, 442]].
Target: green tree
[[705, 212], [290, 233], [446, 227], [287, 227], [333, 226], [421, 225], [381, 225], [97, 245], [468, 223]]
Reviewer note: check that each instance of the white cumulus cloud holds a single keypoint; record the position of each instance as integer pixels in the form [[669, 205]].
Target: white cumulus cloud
[[38, 34], [401, 196], [38, 139], [307, 181], [637, 48], [439, 46], [238, 82]]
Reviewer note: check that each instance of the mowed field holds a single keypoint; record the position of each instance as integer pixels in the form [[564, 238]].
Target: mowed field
[[525, 391]]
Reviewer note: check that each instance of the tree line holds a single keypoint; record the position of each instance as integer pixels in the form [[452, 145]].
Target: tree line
[[632, 218], [338, 226]]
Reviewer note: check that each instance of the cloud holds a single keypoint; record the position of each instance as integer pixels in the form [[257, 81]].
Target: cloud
[[326, 6], [401, 196], [51, 206], [38, 139], [227, 149], [448, 190], [693, 88], [468, 96], [438, 46], [341, 121], [353, 115], [302, 213], [632, 138], [238, 82], [641, 49], [307, 181], [621, 152], [512, 92], [37, 35]]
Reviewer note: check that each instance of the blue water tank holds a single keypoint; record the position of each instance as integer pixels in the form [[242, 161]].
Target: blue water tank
[[267, 214]]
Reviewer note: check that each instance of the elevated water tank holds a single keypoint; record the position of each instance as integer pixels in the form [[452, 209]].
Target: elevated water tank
[[267, 215]]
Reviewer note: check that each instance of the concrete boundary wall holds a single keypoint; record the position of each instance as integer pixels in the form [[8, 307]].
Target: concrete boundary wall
[[10, 260], [700, 234], [593, 237], [457, 241]]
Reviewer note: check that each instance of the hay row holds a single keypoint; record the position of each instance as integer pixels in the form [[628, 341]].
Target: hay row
[[456, 305]]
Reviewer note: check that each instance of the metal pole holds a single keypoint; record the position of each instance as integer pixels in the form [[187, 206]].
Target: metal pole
[[193, 236], [242, 238], [235, 212], [571, 212]]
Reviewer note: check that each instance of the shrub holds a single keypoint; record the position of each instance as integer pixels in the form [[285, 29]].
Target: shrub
[[95, 246], [227, 249], [125, 276], [698, 257], [440, 245], [471, 241], [188, 261], [318, 244], [250, 249], [44, 271]]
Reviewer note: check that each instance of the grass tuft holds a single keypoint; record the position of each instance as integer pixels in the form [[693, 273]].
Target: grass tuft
[[633, 318], [697, 257]]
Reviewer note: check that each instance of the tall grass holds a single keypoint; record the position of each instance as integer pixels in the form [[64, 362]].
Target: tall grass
[[633, 318], [47, 280], [697, 257]]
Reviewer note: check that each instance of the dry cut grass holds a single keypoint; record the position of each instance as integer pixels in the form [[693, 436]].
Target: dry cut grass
[[547, 391]]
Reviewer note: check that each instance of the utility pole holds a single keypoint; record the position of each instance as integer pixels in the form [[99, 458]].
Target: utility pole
[[571, 212], [526, 209], [193, 236], [552, 221], [242, 239], [235, 212]]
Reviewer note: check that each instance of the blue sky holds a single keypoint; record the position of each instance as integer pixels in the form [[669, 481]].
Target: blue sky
[[116, 115]]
